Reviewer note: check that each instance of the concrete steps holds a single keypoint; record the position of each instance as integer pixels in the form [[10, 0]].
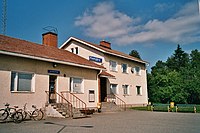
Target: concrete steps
[[110, 107]]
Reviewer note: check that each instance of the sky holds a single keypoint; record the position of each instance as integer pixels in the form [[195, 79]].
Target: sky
[[152, 27]]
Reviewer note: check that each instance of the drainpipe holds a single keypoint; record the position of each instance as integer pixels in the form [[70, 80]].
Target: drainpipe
[[99, 92]]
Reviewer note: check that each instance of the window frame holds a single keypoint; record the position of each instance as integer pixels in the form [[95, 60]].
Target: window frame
[[116, 91], [137, 72], [111, 62], [125, 86], [72, 87], [14, 83], [126, 71], [140, 90], [76, 50]]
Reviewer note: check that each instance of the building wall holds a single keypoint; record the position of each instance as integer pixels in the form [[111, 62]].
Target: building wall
[[129, 78], [41, 81], [85, 51]]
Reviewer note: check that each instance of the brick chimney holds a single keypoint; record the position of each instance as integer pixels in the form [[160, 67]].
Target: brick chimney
[[105, 44], [50, 39]]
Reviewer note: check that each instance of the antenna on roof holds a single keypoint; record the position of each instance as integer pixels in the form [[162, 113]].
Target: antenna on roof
[[4, 16], [199, 6], [51, 29]]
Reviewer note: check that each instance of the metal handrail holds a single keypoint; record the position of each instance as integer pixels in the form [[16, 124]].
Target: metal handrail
[[62, 100], [74, 100], [114, 98]]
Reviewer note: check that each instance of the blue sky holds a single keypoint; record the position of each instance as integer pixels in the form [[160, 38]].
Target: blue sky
[[152, 27]]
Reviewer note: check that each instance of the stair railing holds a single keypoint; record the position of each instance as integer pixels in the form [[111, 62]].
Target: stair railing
[[62, 100], [118, 101], [74, 100]]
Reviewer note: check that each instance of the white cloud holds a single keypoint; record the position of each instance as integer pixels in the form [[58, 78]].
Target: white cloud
[[103, 21]]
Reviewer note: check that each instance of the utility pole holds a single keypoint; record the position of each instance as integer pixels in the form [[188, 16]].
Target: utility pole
[[4, 17]]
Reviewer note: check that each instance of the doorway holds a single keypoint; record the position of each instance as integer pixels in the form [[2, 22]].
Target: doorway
[[52, 88], [103, 87]]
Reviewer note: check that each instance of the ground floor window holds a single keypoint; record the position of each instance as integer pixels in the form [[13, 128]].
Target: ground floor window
[[125, 89], [113, 89], [21, 81], [76, 85], [91, 96], [139, 90]]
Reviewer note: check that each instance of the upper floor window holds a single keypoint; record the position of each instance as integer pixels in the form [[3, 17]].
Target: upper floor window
[[113, 89], [21, 81], [113, 66], [72, 50], [76, 85], [125, 89], [75, 50], [138, 70], [124, 68], [139, 90]]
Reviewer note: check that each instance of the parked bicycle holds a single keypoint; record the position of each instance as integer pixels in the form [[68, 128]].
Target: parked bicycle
[[36, 114], [10, 112]]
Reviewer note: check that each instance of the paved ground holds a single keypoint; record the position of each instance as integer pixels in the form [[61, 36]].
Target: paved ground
[[121, 122]]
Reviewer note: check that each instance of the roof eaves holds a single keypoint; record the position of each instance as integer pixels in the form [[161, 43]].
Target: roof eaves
[[49, 60]]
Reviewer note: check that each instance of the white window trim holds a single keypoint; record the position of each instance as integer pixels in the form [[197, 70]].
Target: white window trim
[[116, 88], [16, 82], [140, 90], [128, 89], [82, 85], [137, 73], [126, 67], [110, 66]]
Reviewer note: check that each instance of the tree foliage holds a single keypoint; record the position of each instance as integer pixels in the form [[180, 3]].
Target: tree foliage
[[177, 79], [135, 53]]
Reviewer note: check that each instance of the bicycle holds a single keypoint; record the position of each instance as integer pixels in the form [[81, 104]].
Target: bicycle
[[36, 114], [12, 113]]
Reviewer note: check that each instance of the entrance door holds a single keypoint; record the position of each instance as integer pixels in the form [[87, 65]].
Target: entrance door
[[52, 88], [103, 86]]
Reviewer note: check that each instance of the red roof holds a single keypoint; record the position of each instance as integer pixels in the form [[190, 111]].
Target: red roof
[[43, 52], [104, 50], [105, 74]]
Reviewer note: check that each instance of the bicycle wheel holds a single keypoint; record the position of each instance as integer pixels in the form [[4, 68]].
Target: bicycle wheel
[[24, 114], [3, 115], [17, 117], [37, 115]]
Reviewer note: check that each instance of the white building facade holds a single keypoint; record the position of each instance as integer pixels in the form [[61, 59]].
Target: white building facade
[[126, 76]]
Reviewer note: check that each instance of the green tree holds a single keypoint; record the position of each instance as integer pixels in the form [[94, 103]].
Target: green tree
[[178, 60], [177, 79], [135, 53]]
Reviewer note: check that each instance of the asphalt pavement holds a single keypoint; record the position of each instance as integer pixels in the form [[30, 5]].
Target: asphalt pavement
[[119, 122]]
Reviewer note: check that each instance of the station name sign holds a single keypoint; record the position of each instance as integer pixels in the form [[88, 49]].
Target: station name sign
[[54, 71], [92, 58]]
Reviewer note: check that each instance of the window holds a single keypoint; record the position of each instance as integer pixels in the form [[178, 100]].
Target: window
[[91, 96], [113, 66], [72, 50], [139, 90], [125, 89], [124, 68], [113, 89], [76, 50], [138, 70], [21, 82], [77, 85]]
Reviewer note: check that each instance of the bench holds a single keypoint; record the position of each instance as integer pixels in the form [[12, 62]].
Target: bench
[[161, 107], [186, 108]]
